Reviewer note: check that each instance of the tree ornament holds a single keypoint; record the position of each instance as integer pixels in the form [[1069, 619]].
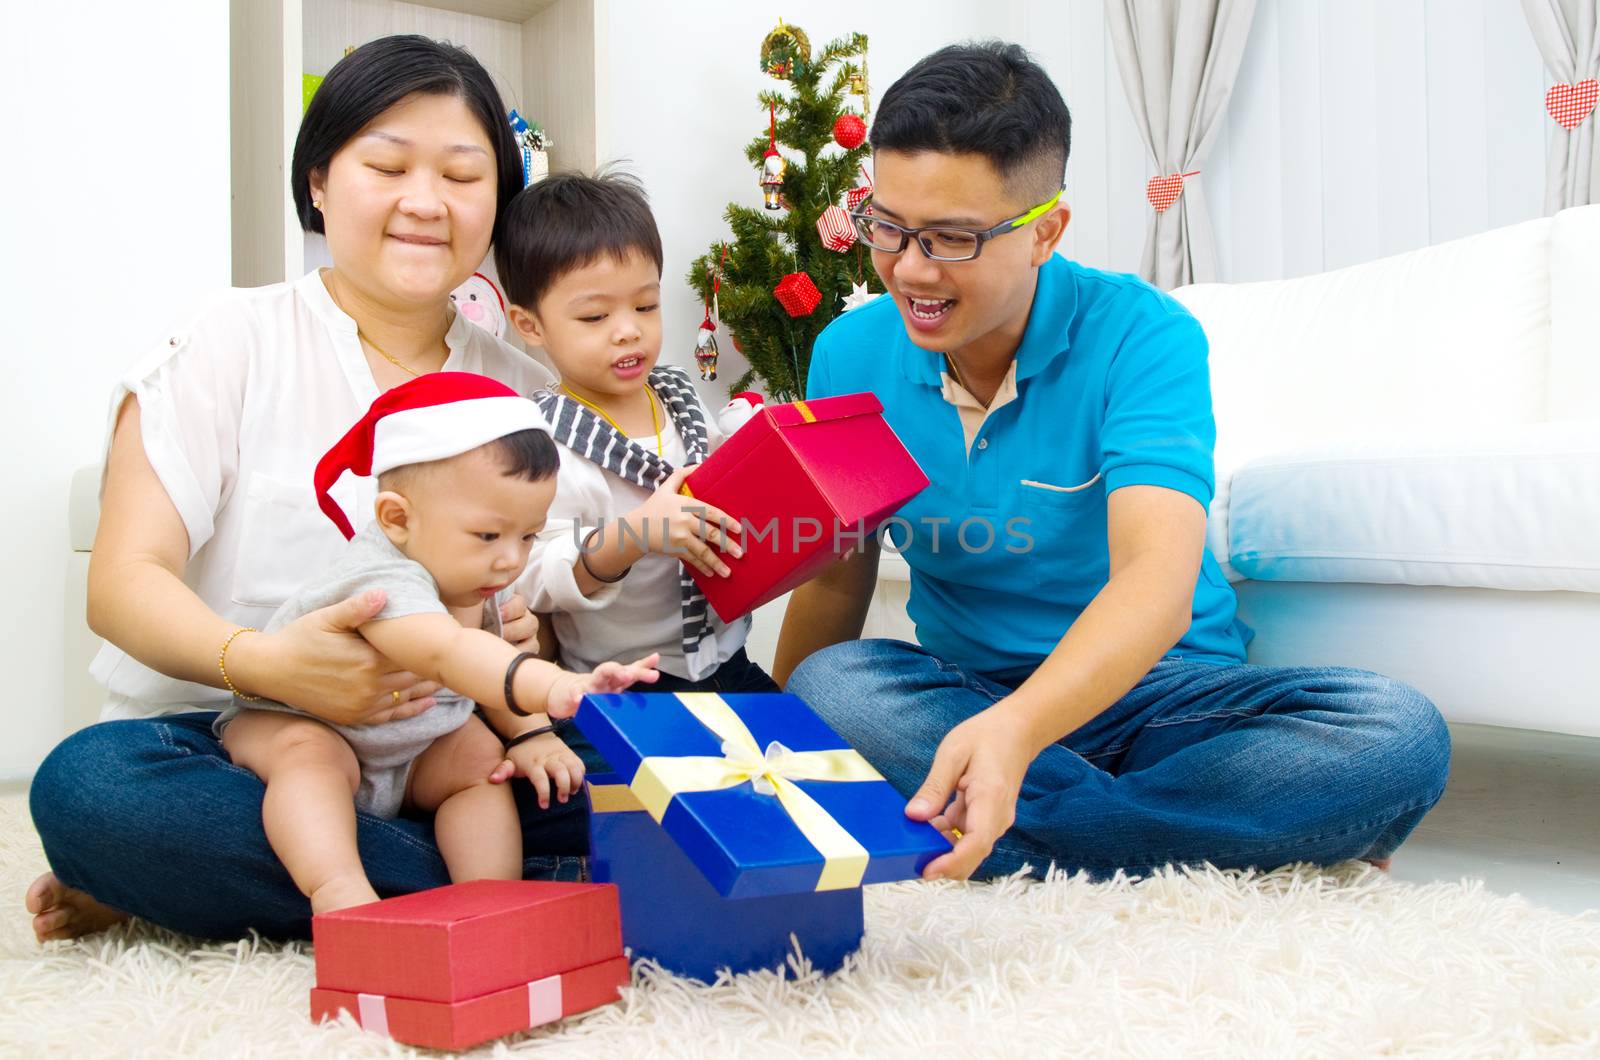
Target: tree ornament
[[835, 230], [785, 51], [797, 294], [858, 194], [858, 297], [705, 349], [849, 132], [772, 167], [705, 340]]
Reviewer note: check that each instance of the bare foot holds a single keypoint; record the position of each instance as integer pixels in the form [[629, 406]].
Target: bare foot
[[1381, 864], [342, 892], [60, 912]]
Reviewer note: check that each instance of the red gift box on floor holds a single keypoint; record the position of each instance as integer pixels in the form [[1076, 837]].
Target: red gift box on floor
[[806, 481], [459, 965]]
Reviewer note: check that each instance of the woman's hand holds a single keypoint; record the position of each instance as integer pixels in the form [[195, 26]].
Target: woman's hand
[[568, 690], [677, 525], [320, 664]]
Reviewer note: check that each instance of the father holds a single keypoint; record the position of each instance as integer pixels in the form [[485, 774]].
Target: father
[[1079, 695]]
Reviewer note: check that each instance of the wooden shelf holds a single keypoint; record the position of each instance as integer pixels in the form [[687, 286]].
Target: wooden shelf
[[518, 11]]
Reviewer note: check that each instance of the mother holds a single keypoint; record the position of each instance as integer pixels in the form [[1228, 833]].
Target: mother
[[208, 520]]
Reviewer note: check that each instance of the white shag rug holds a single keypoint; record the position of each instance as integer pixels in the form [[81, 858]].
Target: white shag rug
[[1298, 962]]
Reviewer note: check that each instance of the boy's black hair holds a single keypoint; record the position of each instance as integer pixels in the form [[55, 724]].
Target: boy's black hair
[[529, 454], [374, 78], [567, 221], [985, 98]]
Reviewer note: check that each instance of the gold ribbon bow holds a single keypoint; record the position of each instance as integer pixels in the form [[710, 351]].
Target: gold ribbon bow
[[771, 772]]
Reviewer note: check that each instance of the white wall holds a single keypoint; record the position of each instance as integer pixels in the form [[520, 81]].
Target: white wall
[[115, 120], [1359, 128]]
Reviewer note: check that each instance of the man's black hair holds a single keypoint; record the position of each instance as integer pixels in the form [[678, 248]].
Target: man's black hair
[[986, 98], [567, 221]]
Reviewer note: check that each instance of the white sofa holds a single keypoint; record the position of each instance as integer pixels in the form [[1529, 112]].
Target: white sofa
[[1408, 478], [1408, 468]]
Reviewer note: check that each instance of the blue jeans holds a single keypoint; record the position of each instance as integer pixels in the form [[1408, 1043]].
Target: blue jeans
[[150, 817], [1233, 765]]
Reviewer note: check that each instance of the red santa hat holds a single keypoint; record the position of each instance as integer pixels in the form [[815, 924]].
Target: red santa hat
[[432, 417]]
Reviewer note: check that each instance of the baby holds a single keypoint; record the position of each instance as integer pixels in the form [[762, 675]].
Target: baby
[[466, 473]]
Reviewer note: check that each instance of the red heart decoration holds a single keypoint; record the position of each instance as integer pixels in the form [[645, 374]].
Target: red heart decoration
[[1570, 104], [1164, 191]]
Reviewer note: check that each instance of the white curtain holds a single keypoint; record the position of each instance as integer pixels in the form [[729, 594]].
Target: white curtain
[[1178, 60], [1570, 46]]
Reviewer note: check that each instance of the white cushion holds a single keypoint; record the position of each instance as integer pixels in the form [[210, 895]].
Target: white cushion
[[1508, 509], [1575, 312], [1453, 334]]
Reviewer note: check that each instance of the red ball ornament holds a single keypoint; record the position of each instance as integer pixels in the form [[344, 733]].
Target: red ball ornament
[[849, 131], [797, 294]]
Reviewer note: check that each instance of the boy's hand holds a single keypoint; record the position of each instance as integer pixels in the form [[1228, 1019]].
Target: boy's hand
[[676, 525], [548, 764], [569, 690]]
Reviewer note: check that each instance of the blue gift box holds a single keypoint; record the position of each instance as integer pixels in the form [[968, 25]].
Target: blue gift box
[[735, 821]]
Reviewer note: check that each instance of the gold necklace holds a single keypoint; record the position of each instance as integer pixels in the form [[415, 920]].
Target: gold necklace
[[381, 353], [655, 420], [363, 337]]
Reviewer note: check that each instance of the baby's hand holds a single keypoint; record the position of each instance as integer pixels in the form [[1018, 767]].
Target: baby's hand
[[548, 764], [568, 691]]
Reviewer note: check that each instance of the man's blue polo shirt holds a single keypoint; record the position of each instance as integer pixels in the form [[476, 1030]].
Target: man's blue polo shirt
[[1008, 544]]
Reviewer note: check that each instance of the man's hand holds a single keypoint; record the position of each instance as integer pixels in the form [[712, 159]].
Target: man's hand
[[548, 763], [568, 691], [981, 763]]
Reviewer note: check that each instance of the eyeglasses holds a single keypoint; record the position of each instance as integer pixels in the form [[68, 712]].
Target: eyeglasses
[[938, 242]]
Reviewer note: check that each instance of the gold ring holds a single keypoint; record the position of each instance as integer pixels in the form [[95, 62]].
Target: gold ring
[[396, 695], [955, 831]]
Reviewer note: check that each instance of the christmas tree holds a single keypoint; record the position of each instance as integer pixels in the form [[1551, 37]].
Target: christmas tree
[[784, 277]]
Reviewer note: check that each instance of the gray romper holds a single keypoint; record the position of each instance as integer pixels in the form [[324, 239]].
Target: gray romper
[[387, 750]]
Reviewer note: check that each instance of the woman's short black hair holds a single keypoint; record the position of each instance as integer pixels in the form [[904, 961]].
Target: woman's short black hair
[[567, 221], [986, 98], [529, 454], [374, 78]]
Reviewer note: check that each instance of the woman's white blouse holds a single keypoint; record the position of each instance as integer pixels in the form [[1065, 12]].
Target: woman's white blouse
[[236, 409]]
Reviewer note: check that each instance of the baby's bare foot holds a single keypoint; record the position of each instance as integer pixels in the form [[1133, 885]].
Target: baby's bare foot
[[60, 912], [342, 892]]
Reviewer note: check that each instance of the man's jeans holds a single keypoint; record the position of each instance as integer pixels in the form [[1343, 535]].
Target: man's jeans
[[151, 818], [1233, 765]]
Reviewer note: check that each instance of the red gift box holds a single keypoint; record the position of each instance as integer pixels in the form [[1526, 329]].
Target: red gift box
[[806, 481], [462, 1024], [462, 964]]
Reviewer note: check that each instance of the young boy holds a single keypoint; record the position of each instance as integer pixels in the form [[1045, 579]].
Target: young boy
[[580, 260], [466, 472]]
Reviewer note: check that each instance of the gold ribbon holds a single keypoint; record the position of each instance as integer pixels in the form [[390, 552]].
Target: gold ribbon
[[772, 772], [805, 412]]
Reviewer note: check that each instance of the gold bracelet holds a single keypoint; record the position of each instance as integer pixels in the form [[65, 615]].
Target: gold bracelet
[[222, 662]]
